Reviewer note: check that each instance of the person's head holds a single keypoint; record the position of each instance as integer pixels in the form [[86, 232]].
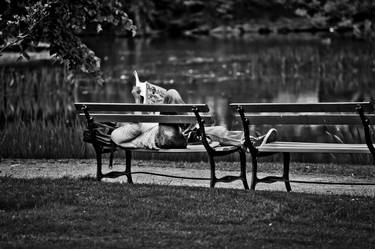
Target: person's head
[[170, 136]]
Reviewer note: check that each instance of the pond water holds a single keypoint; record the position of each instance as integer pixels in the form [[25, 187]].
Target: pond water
[[218, 71], [211, 70]]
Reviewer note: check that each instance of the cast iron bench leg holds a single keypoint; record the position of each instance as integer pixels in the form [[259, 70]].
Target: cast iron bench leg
[[213, 175], [254, 178], [366, 129], [286, 157], [243, 168], [128, 161], [98, 152], [111, 155]]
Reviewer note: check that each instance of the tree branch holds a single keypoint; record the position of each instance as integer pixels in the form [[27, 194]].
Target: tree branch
[[20, 38]]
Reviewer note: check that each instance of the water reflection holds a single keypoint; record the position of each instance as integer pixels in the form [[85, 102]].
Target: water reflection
[[219, 71]]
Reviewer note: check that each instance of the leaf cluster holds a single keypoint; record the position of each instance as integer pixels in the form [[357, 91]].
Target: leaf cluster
[[27, 23]]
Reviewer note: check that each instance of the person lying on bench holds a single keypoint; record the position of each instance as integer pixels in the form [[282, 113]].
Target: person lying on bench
[[167, 136]]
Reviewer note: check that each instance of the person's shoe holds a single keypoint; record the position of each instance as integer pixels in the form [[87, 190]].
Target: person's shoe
[[257, 141], [269, 137]]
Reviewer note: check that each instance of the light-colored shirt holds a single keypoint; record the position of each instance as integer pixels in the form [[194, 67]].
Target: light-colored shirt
[[136, 135]]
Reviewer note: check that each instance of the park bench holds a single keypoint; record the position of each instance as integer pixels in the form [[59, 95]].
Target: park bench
[[329, 113], [102, 118]]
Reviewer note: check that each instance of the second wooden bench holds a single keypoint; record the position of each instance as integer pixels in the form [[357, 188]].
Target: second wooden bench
[[329, 113]]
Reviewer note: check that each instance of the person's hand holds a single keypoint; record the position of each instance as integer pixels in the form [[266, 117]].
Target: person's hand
[[137, 94]]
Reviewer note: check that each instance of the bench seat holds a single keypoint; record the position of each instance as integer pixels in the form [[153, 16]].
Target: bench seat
[[302, 147]]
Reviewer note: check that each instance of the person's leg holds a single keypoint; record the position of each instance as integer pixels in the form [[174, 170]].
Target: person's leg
[[173, 97], [220, 133], [236, 138], [269, 137], [170, 135], [223, 136]]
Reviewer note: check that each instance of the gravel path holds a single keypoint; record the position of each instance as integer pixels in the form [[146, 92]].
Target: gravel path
[[80, 168]]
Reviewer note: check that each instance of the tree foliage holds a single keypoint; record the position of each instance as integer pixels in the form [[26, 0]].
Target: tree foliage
[[357, 16], [349, 17], [175, 17], [27, 23]]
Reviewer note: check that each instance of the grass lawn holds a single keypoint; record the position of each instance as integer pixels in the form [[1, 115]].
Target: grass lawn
[[71, 213]]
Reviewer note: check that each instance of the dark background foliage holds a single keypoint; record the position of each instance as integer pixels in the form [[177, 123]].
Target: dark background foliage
[[355, 18]]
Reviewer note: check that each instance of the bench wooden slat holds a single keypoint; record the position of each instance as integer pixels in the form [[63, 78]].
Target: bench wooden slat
[[303, 107], [305, 144], [306, 119], [129, 107], [313, 147], [177, 119]]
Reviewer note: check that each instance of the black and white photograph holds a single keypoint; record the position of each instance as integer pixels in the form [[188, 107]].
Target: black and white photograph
[[187, 124]]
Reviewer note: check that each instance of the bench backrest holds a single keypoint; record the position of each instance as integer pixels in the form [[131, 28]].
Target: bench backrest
[[328, 113], [155, 113]]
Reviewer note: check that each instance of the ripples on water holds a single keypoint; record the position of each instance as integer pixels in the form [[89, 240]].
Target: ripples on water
[[213, 71]]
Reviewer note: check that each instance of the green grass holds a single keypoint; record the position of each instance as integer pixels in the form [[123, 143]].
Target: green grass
[[44, 213]]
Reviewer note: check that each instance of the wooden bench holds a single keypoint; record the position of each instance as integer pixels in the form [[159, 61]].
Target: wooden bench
[[329, 113], [101, 113]]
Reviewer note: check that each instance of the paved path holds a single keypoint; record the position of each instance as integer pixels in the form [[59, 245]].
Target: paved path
[[79, 168]]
